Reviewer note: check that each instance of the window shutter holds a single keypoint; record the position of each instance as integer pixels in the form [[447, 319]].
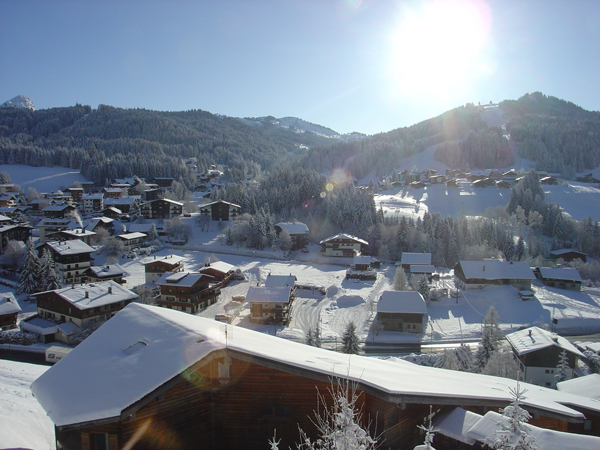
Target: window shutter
[[113, 442], [85, 441]]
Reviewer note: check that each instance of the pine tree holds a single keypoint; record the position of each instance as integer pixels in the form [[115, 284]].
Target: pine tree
[[45, 263], [310, 339], [30, 272], [317, 337], [52, 280], [563, 368], [400, 282], [490, 335], [153, 233], [350, 341], [520, 250], [423, 288], [512, 433]]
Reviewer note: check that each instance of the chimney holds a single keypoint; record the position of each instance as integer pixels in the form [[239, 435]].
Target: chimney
[[529, 333], [110, 289], [484, 268], [87, 294]]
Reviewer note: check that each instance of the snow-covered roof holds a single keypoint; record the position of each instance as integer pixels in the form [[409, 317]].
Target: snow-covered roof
[[130, 236], [67, 223], [361, 260], [545, 438], [107, 271], [8, 304], [86, 296], [79, 232], [534, 338], [272, 294], [4, 218], [105, 374], [565, 273], [344, 236], [139, 228], [220, 266], [418, 268], [457, 424], [293, 227], [164, 200], [493, 269], [416, 258], [587, 386], [401, 302], [67, 328], [58, 207], [185, 279], [219, 202], [72, 247], [38, 325], [169, 259], [563, 251], [93, 223], [125, 200], [96, 196], [280, 280]]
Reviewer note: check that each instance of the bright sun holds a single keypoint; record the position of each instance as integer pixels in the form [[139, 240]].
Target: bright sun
[[439, 46]]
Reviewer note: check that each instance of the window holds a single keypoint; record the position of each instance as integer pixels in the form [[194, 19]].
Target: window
[[279, 412], [100, 441]]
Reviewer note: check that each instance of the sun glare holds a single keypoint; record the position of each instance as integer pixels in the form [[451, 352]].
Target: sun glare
[[439, 46]]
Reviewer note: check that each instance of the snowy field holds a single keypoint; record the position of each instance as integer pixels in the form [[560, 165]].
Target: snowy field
[[23, 422], [42, 179]]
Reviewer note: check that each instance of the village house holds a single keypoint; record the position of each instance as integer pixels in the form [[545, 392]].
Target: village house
[[149, 370], [97, 224], [59, 210], [9, 310], [71, 259], [419, 270], [361, 263], [219, 270], [13, 233], [96, 274], [221, 210], [9, 200], [131, 241], [86, 236], [502, 184], [563, 277], [414, 259], [568, 255], [47, 228], [187, 291], [112, 192], [155, 267], [538, 353], [112, 213], [343, 245], [402, 311], [270, 304], [76, 193], [298, 233], [93, 202], [479, 274], [164, 182], [84, 304], [161, 208], [124, 204]]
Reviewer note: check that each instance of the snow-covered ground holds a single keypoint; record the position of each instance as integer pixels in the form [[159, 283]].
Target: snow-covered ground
[[23, 422], [42, 179]]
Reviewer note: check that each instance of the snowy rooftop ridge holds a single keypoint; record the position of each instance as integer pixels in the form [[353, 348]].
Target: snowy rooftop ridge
[[402, 302], [344, 236], [98, 380], [493, 269], [91, 295], [9, 304], [534, 338]]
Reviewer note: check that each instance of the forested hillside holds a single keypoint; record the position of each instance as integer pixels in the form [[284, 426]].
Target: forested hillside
[[111, 142]]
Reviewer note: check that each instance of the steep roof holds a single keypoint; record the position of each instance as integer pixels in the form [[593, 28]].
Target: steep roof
[[143, 347], [110, 270], [293, 227], [8, 304], [493, 269], [344, 236], [219, 266], [534, 338], [401, 302]]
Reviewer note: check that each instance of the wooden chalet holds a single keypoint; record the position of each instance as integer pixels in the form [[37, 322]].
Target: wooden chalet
[[502, 184], [164, 182], [343, 245], [124, 204], [158, 265], [82, 234], [59, 210], [47, 228], [270, 304], [221, 210], [112, 192], [219, 270], [402, 311], [161, 208], [361, 263], [71, 259], [187, 291], [9, 310], [568, 255], [151, 194], [13, 233], [84, 304], [538, 352], [93, 202], [112, 212], [479, 274], [549, 181], [131, 241], [414, 259], [96, 274], [563, 278], [169, 378], [298, 233]]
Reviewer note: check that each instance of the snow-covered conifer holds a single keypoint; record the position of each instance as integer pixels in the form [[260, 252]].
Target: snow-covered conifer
[[350, 341], [563, 368], [400, 282], [310, 340], [502, 364], [30, 271], [490, 335]]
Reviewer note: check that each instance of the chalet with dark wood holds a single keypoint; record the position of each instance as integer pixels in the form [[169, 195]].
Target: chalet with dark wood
[[538, 352], [298, 232], [114, 272], [164, 182], [9, 200], [124, 204], [187, 291], [149, 195], [343, 245], [112, 192], [568, 255], [93, 202], [452, 184], [9, 310], [149, 370], [159, 265], [404, 311], [361, 263], [84, 304], [59, 211], [563, 278], [479, 274], [131, 241], [162, 208], [219, 270], [502, 184], [270, 305], [100, 223], [76, 193], [221, 210], [414, 259], [13, 233], [49, 227], [71, 259]]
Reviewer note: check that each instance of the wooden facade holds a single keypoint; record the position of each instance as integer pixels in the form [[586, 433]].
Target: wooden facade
[[181, 295], [161, 209], [13, 233], [221, 210], [156, 268]]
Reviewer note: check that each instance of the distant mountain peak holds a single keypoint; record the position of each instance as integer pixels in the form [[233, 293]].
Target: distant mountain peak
[[20, 101]]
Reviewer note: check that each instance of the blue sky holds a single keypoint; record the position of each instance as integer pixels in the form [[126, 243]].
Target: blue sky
[[351, 65]]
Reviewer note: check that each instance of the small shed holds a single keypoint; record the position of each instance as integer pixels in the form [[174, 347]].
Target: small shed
[[402, 311], [563, 277], [9, 310]]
